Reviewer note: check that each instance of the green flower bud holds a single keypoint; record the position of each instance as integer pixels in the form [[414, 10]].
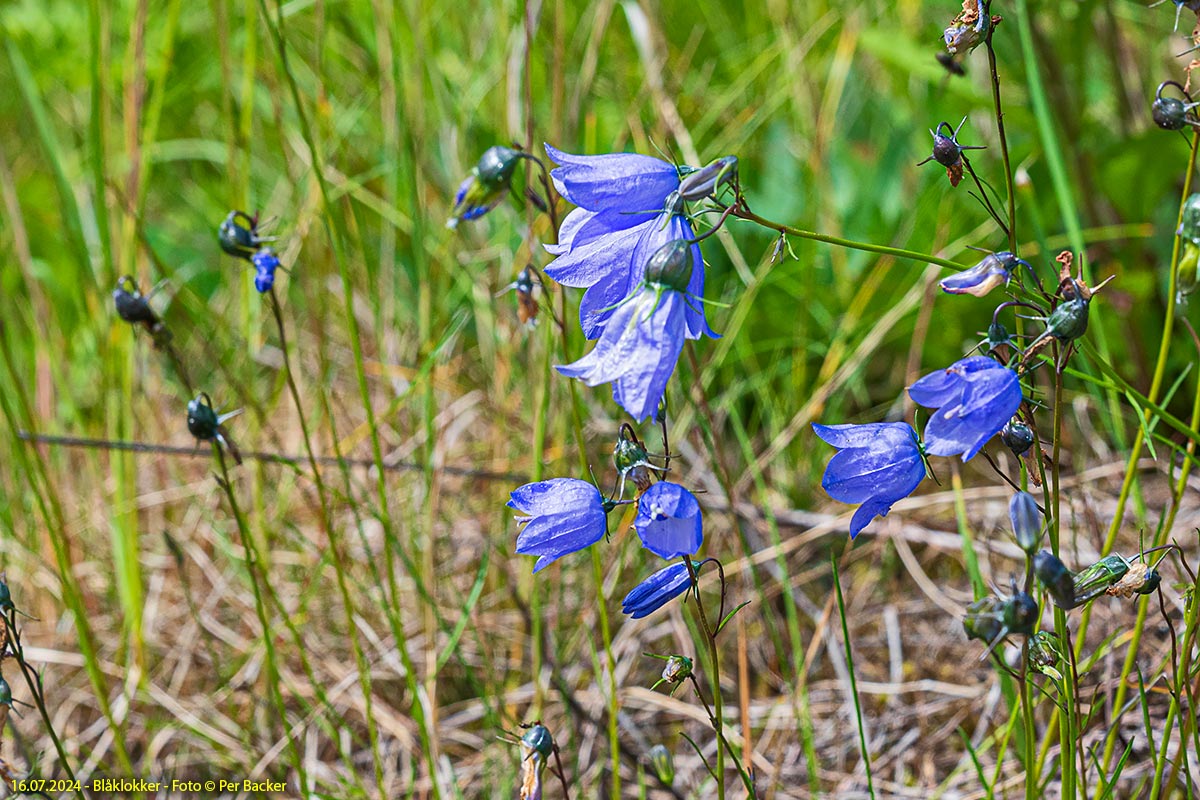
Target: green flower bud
[[671, 265], [1189, 224], [662, 763]]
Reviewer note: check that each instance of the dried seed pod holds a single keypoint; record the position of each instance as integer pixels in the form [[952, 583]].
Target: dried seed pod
[[1057, 579]]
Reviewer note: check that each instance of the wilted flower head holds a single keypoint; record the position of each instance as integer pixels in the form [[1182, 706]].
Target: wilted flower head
[[878, 464], [975, 398], [561, 516], [668, 521], [1044, 654], [1026, 521], [994, 270], [965, 32], [656, 591], [486, 186], [640, 345], [629, 207]]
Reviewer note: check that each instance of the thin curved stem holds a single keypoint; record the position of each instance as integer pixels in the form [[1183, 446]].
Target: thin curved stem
[[742, 212]]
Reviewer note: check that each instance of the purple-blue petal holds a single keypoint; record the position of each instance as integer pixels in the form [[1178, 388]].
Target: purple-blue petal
[[657, 590], [629, 181], [669, 521], [554, 496]]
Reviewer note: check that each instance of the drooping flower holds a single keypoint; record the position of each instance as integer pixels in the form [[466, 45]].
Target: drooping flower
[[994, 270], [640, 344], [561, 516], [486, 186], [628, 207], [656, 591], [878, 464], [669, 522], [975, 398]]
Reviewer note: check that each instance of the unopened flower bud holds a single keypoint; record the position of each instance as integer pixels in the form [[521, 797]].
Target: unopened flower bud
[[662, 763], [671, 265], [1026, 521], [6, 698], [1017, 436], [705, 181], [6, 601]]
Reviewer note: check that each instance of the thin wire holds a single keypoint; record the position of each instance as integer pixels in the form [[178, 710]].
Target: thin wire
[[273, 458]]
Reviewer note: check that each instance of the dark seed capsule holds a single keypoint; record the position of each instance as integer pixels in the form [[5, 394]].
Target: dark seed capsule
[[6, 601], [1069, 321], [671, 265], [6, 698], [131, 304], [202, 419], [1169, 113], [1020, 613], [538, 740], [1017, 436], [1057, 579], [496, 166], [237, 239]]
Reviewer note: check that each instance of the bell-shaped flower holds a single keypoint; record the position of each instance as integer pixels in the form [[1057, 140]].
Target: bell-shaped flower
[[668, 521], [994, 270], [975, 398], [877, 465], [640, 345], [656, 591], [629, 207], [561, 516], [487, 184]]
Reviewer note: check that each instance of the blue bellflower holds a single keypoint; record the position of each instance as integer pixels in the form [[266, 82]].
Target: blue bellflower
[[562, 515], [975, 398], [641, 342], [265, 263], [656, 591], [628, 207], [669, 522], [878, 464]]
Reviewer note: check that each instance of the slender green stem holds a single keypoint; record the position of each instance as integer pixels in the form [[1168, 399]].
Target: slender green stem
[[1156, 381], [714, 678], [338, 238], [260, 608], [335, 547], [862, 737], [1008, 171], [741, 212]]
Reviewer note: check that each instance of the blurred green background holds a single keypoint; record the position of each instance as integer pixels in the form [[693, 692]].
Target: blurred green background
[[130, 129]]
